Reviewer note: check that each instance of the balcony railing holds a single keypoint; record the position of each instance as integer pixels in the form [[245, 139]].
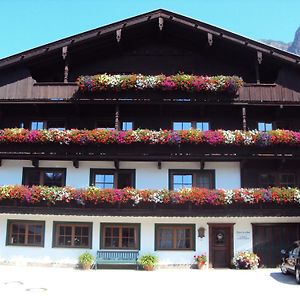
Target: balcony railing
[[27, 90]]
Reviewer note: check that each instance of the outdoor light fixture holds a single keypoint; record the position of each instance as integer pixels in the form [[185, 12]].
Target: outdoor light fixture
[[201, 231]]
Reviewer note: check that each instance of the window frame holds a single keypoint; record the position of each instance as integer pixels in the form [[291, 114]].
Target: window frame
[[126, 121], [46, 123], [277, 176], [55, 234], [41, 170], [193, 124], [173, 226], [136, 226], [194, 174], [10, 222], [265, 123], [114, 172]]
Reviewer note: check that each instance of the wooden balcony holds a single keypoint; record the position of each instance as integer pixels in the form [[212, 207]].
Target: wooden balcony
[[27, 90]]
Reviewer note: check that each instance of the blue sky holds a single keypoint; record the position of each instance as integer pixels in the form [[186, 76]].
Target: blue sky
[[30, 23]]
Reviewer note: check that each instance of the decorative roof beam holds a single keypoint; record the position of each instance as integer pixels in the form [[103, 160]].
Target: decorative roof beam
[[118, 35], [160, 23], [76, 164], [210, 39], [202, 164], [259, 57], [35, 163], [159, 165]]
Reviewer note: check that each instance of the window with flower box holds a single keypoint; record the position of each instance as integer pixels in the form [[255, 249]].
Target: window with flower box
[[72, 235], [44, 176], [179, 179], [174, 237], [106, 178], [120, 236], [25, 233]]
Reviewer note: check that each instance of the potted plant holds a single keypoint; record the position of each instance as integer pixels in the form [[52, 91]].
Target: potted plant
[[246, 260], [200, 260], [86, 260], [148, 261]]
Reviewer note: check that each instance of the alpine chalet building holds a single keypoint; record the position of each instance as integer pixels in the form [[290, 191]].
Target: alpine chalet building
[[158, 133]]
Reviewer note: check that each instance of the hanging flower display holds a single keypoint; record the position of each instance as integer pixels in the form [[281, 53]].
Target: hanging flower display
[[150, 137], [196, 196], [178, 82]]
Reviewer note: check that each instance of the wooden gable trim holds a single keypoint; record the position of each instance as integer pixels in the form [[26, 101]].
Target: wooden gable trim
[[161, 15]]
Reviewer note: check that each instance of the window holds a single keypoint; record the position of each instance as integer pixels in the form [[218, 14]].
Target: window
[[182, 125], [174, 237], [72, 235], [188, 125], [38, 125], [263, 126], [25, 233], [120, 236], [120, 179], [105, 124], [277, 179], [56, 124], [179, 179], [48, 177], [127, 126], [203, 126]]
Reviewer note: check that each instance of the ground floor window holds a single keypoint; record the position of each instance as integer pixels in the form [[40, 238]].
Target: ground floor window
[[25, 233], [120, 236], [174, 237], [72, 235]]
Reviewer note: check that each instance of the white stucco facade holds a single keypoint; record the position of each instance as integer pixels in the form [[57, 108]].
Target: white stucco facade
[[51, 255], [148, 176]]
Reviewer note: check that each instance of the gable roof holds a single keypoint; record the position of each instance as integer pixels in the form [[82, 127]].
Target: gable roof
[[144, 18]]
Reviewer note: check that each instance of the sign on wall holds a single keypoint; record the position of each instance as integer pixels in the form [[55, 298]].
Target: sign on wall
[[242, 235]]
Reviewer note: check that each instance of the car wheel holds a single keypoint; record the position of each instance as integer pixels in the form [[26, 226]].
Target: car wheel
[[298, 275], [284, 270]]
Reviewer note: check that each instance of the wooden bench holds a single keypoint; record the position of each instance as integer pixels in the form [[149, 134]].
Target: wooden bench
[[104, 257]]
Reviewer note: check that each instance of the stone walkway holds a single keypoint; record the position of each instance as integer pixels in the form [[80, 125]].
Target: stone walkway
[[54, 283]]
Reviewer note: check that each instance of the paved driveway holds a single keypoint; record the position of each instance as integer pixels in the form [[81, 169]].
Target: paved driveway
[[59, 283]]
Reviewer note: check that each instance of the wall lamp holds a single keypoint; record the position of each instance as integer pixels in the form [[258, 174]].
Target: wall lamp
[[201, 232]]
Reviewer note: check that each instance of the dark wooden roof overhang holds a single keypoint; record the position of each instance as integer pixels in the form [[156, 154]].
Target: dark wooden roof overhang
[[159, 17], [267, 210], [145, 152]]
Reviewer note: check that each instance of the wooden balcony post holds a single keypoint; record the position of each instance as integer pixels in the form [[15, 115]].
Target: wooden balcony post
[[257, 63], [66, 59], [244, 117], [117, 115]]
